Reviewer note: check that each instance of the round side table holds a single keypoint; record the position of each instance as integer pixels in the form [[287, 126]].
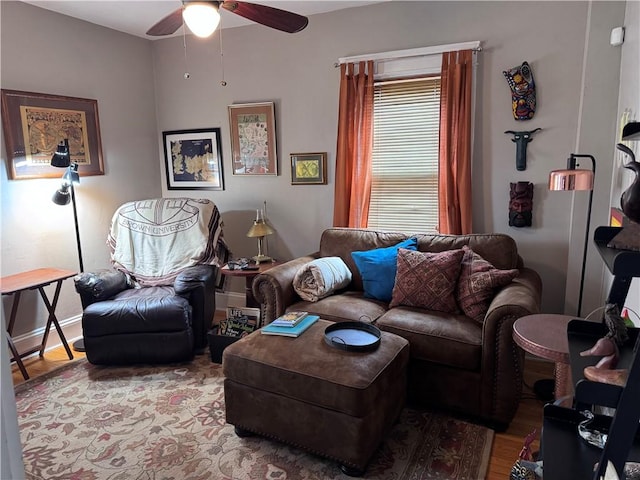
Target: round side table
[[545, 335], [249, 275]]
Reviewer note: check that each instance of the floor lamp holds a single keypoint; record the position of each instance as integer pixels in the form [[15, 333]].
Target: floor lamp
[[567, 180], [65, 195], [577, 179]]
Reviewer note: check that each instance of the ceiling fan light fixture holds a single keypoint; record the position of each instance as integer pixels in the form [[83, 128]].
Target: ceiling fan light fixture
[[202, 18]]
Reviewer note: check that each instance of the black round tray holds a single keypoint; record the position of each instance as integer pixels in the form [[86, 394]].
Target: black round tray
[[352, 336]]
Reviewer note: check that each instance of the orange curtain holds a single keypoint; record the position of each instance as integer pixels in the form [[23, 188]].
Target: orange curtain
[[355, 144], [454, 175]]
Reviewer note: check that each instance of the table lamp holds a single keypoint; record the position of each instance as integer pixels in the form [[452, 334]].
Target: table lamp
[[259, 230]]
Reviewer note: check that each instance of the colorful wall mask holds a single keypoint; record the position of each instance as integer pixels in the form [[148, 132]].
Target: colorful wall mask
[[523, 91]]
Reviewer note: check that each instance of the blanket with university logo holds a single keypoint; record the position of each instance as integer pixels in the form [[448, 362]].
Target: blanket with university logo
[[154, 240]]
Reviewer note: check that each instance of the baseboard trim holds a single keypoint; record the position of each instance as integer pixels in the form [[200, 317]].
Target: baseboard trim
[[72, 326]]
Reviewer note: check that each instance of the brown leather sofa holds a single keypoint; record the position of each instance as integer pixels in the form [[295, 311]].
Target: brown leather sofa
[[456, 363]]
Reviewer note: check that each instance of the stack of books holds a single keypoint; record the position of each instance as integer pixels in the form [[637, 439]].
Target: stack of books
[[291, 324]]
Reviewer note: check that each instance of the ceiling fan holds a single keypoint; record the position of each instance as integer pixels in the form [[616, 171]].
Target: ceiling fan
[[202, 17]]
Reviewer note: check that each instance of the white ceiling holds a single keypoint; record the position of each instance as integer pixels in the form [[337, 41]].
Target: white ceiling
[[137, 16]]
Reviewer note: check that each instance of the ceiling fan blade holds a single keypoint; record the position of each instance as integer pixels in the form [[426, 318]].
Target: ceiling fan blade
[[269, 16], [168, 25]]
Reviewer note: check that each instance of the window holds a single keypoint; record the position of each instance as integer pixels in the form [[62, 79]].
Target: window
[[404, 190]]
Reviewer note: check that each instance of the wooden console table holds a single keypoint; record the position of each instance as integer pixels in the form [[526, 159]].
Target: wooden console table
[[31, 280]]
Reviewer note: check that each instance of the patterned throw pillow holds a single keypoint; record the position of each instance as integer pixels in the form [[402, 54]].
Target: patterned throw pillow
[[477, 284], [427, 280]]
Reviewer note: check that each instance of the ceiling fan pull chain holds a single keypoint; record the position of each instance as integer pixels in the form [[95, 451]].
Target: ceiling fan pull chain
[[187, 75], [223, 81]]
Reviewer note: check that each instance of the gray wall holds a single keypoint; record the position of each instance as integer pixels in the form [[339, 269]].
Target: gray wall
[[296, 72], [141, 92], [79, 60]]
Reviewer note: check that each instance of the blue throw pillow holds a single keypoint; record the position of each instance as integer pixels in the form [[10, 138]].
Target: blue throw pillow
[[378, 269]]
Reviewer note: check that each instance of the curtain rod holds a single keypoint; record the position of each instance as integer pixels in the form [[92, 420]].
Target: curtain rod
[[412, 52]]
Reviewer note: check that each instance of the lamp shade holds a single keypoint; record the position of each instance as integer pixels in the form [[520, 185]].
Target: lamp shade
[[61, 157], [577, 179], [202, 18], [62, 196], [259, 229], [631, 131]]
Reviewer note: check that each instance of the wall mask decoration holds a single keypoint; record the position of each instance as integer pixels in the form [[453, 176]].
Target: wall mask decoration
[[523, 91], [520, 204], [521, 139]]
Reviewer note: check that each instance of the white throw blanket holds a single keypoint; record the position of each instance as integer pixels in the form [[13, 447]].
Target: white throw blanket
[[320, 278], [154, 240]]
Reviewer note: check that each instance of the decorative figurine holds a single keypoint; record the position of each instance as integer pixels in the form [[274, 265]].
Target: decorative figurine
[[608, 347], [520, 204], [630, 199], [523, 91], [629, 237]]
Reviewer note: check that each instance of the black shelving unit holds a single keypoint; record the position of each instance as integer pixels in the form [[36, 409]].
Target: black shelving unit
[[623, 264], [565, 454]]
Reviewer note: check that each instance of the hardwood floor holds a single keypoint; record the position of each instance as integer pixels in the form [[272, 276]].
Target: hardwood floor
[[506, 445]]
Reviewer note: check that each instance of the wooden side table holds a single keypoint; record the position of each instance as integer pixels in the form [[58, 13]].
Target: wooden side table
[[32, 280], [545, 335], [249, 275]]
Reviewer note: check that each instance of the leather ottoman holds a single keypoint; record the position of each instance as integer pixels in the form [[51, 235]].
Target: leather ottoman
[[303, 392]]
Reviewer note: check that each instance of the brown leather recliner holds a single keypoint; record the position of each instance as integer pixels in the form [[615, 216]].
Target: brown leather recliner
[[158, 303], [456, 363], [161, 324]]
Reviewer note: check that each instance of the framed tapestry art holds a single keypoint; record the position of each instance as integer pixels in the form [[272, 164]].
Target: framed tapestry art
[[308, 168], [35, 123], [193, 159], [253, 139]]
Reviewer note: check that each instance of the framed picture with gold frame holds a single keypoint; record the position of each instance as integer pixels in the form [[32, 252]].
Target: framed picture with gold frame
[[253, 139], [34, 124], [308, 168]]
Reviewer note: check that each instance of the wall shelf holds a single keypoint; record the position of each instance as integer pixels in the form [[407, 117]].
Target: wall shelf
[[623, 264]]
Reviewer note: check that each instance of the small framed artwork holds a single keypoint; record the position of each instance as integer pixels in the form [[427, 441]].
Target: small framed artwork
[[193, 159], [253, 139], [35, 123], [308, 168]]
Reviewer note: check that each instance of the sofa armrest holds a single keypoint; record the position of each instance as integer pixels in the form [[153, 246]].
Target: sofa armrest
[[502, 360], [98, 286], [273, 289]]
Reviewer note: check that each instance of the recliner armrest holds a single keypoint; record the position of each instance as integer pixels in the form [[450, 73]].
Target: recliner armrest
[[198, 285], [98, 286], [195, 277]]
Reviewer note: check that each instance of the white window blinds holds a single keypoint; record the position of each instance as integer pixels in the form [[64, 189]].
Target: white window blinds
[[404, 192]]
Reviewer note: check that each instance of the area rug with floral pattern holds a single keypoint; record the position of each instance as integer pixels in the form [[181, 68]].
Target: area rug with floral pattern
[[83, 422]]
